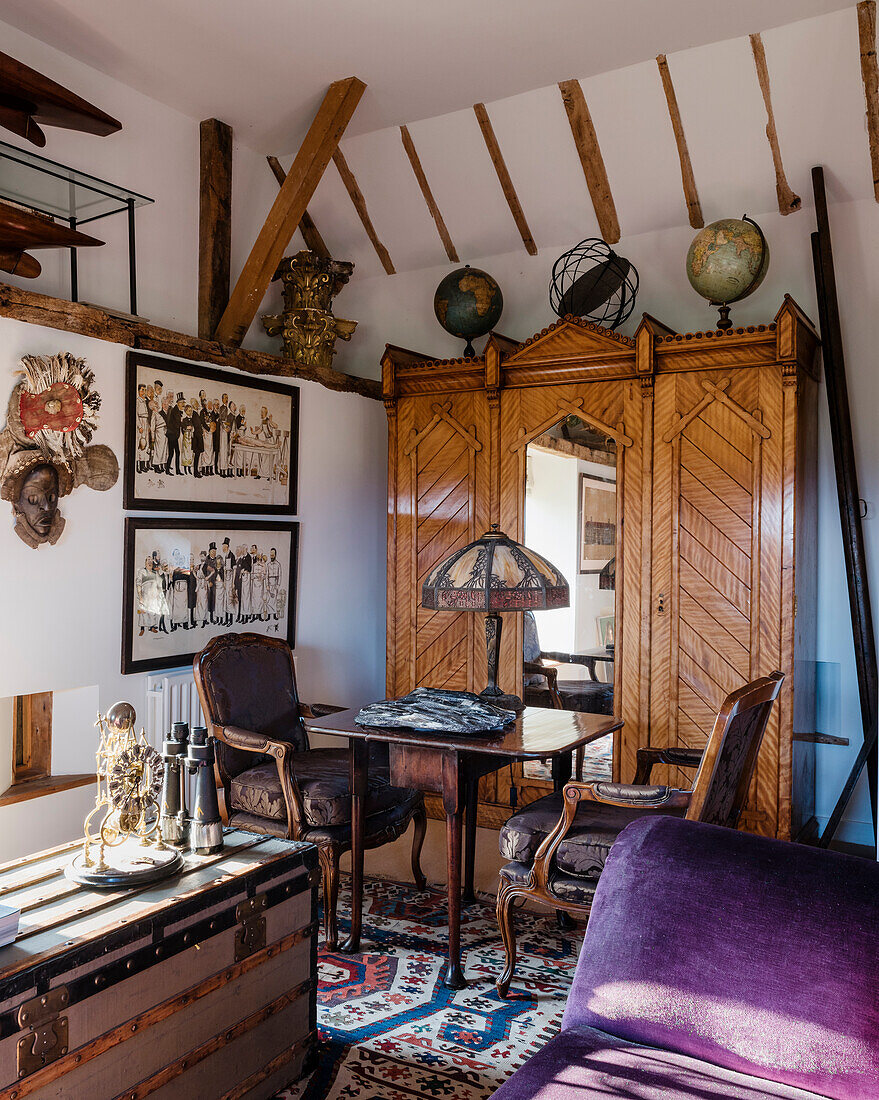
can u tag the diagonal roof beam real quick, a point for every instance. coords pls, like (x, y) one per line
(788, 199)
(691, 195)
(314, 155)
(313, 240)
(415, 161)
(870, 77)
(591, 159)
(356, 196)
(503, 175)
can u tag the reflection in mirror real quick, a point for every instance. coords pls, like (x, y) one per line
(571, 517)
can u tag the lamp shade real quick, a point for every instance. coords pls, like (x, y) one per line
(494, 573)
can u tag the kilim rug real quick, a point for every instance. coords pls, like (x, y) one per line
(389, 1028)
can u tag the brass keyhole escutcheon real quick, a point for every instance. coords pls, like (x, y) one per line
(661, 605)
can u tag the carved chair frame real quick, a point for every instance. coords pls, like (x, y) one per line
(758, 695)
(329, 851)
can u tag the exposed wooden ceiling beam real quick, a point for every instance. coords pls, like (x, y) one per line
(870, 76)
(591, 159)
(788, 199)
(314, 155)
(41, 309)
(214, 223)
(313, 239)
(414, 160)
(500, 167)
(691, 195)
(356, 196)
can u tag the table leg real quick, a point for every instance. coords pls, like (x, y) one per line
(453, 806)
(471, 799)
(359, 777)
(561, 771)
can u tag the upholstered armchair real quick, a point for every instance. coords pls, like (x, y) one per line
(558, 845)
(273, 781)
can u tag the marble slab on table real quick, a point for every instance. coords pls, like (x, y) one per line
(438, 711)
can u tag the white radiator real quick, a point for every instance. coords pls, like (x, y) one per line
(171, 697)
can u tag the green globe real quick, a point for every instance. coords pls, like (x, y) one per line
(727, 260)
(468, 303)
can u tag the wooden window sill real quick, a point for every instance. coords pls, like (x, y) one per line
(47, 784)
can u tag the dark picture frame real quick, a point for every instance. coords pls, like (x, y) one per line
(596, 522)
(255, 462)
(137, 622)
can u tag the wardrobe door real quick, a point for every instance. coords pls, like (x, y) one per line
(620, 411)
(439, 503)
(716, 553)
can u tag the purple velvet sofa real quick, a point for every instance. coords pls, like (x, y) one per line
(719, 964)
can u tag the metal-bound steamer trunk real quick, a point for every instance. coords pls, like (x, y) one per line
(203, 985)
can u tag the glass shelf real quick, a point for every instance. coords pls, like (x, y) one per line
(63, 192)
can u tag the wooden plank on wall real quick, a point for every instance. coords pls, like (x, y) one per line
(41, 309)
(870, 76)
(586, 141)
(788, 200)
(313, 240)
(356, 196)
(214, 223)
(314, 154)
(32, 755)
(691, 195)
(503, 175)
(415, 161)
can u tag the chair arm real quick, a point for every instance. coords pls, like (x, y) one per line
(584, 659)
(282, 751)
(576, 792)
(550, 674)
(248, 741)
(534, 668)
(636, 796)
(318, 710)
(681, 758)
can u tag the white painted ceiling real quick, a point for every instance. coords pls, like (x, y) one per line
(263, 65)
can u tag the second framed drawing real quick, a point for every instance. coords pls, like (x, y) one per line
(202, 440)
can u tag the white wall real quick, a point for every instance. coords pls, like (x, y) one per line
(61, 606)
(551, 530)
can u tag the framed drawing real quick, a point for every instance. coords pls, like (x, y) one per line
(203, 440)
(597, 526)
(606, 625)
(186, 580)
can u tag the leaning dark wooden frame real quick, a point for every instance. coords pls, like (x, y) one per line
(329, 851)
(133, 524)
(538, 887)
(132, 502)
(849, 511)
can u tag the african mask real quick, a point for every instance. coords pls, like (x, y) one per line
(45, 451)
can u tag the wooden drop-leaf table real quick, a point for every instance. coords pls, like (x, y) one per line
(452, 765)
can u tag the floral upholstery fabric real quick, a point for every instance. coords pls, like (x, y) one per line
(323, 776)
(566, 887)
(585, 849)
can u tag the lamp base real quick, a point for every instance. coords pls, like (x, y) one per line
(498, 699)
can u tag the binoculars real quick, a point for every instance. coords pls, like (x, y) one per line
(201, 831)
